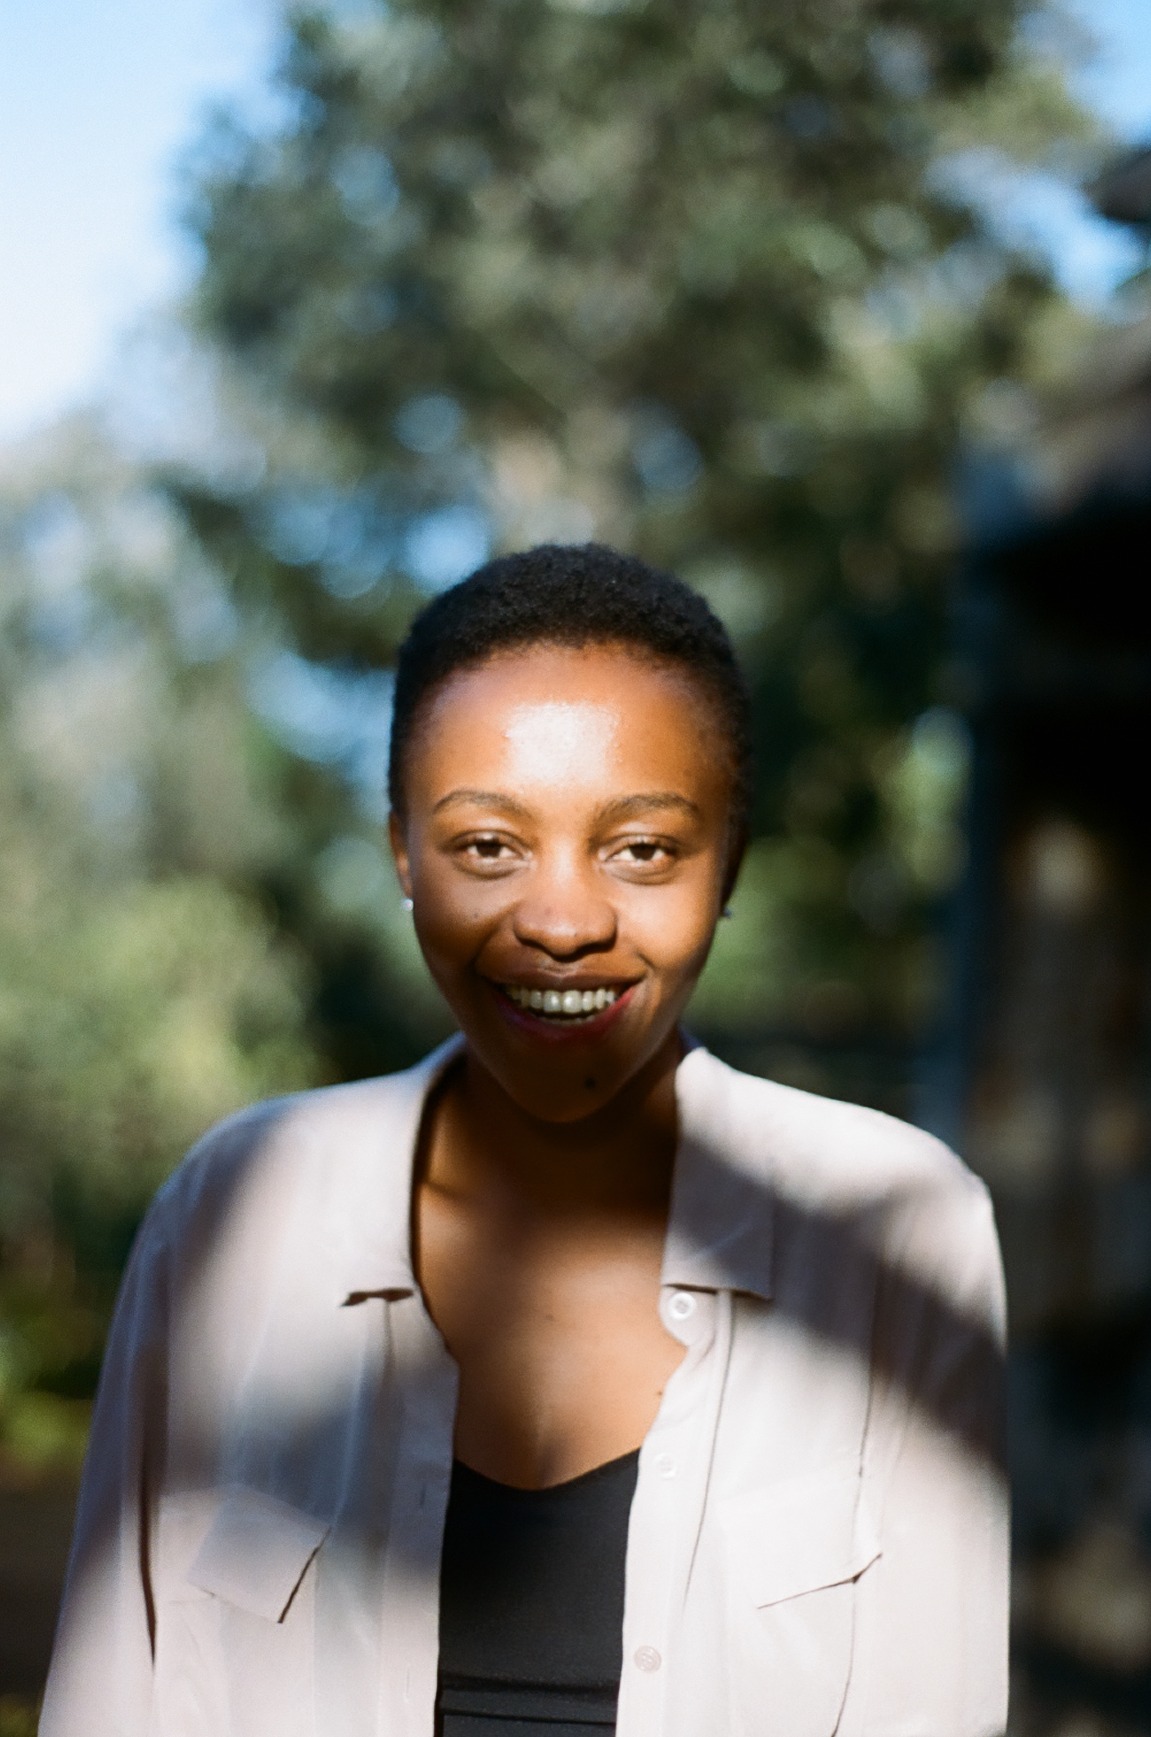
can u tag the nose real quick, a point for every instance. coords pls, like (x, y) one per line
(563, 911)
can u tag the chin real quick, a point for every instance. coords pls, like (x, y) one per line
(562, 1091)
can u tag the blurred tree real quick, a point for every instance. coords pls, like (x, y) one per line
(698, 277)
(142, 990)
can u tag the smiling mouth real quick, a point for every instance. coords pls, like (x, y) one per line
(561, 1006)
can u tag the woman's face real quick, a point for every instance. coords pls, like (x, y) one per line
(565, 844)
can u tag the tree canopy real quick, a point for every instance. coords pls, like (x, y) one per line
(143, 990)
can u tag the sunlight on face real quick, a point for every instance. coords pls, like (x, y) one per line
(561, 742)
(565, 830)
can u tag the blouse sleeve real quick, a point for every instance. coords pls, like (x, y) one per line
(99, 1682)
(933, 1611)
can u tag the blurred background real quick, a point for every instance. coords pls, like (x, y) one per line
(843, 310)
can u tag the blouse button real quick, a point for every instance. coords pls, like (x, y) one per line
(665, 1465)
(682, 1306)
(647, 1659)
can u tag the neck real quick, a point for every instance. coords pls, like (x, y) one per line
(619, 1159)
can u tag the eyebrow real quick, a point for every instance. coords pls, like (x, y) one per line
(483, 799)
(627, 806)
(622, 809)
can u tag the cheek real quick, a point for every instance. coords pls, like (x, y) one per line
(454, 916)
(673, 927)
(449, 926)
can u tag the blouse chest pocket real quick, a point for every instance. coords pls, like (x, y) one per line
(794, 1552)
(235, 1617)
(256, 1552)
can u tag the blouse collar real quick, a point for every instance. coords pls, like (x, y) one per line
(720, 1231)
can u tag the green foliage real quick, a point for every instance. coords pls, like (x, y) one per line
(694, 278)
(18, 1716)
(143, 990)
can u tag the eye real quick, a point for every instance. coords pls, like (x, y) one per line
(486, 848)
(646, 851)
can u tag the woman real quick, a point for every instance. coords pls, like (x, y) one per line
(570, 1380)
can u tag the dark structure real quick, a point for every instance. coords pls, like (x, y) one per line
(1044, 1075)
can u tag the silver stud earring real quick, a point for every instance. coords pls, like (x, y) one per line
(406, 903)
(726, 912)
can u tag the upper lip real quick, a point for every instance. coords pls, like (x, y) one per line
(581, 981)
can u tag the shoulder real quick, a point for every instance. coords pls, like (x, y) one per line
(295, 1154)
(279, 1133)
(834, 1153)
(885, 1183)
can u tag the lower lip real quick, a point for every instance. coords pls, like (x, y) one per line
(552, 1032)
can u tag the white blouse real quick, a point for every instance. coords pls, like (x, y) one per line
(818, 1541)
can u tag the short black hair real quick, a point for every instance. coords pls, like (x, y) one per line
(573, 595)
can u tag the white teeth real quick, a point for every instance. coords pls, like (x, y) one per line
(570, 1003)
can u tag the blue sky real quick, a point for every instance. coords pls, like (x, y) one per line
(1118, 82)
(99, 98)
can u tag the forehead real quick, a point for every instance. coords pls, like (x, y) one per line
(567, 716)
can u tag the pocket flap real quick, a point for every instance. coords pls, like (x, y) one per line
(799, 1535)
(257, 1552)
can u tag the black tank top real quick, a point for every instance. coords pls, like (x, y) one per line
(531, 1604)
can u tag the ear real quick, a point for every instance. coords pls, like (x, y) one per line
(397, 838)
